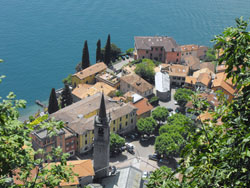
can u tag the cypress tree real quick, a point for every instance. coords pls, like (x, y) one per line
(53, 104)
(67, 98)
(85, 56)
(107, 55)
(98, 51)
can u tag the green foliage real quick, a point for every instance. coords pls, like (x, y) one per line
(219, 155)
(182, 96)
(17, 153)
(67, 98)
(39, 120)
(53, 104)
(145, 69)
(162, 178)
(160, 114)
(115, 51)
(31, 118)
(116, 142)
(129, 51)
(146, 125)
(68, 80)
(178, 123)
(154, 101)
(210, 55)
(85, 56)
(118, 93)
(169, 144)
(98, 51)
(107, 52)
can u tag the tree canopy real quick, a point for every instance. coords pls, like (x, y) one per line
(107, 52)
(145, 69)
(85, 56)
(146, 125)
(98, 51)
(182, 96)
(66, 98)
(17, 155)
(160, 114)
(53, 103)
(116, 142)
(218, 155)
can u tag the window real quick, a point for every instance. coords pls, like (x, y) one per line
(114, 122)
(126, 123)
(152, 49)
(120, 126)
(183, 78)
(177, 54)
(127, 116)
(72, 141)
(187, 53)
(92, 131)
(113, 129)
(161, 48)
(146, 51)
(178, 78)
(177, 60)
(86, 142)
(150, 54)
(128, 86)
(86, 82)
(142, 57)
(132, 120)
(172, 49)
(86, 135)
(156, 49)
(120, 119)
(182, 54)
(190, 52)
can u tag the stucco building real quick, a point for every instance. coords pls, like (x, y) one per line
(159, 48)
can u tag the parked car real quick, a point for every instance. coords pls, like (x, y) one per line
(127, 56)
(175, 102)
(123, 148)
(144, 137)
(164, 161)
(153, 157)
(123, 58)
(112, 170)
(129, 145)
(132, 136)
(170, 109)
(144, 175)
(131, 150)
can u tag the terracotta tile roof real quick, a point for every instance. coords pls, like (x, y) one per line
(221, 68)
(204, 78)
(84, 90)
(96, 68)
(178, 70)
(208, 65)
(147, 42)
(220, 81)
(190, 80)
(81, 108)
(192, 62)
(121, 111)
(137, 82)
(196, 74)
(143, 106)
(83, 168)
(189, 47)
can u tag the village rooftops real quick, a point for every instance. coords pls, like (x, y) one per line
(146, 42)
(92, 70)
(204, 78)
(85, 90)
(189, 47)
(43, 133)
(178, 70)
(196, 74)
(142, 106)
(190, 80)
(192, 62)
(137, 82)
(221, 81)
(82, 108)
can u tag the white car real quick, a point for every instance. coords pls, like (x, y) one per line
(129, 145)
(175, 102)
(144, 175)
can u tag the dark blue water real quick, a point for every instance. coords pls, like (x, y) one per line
(41, 41)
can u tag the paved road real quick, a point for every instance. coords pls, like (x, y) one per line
(119, 65)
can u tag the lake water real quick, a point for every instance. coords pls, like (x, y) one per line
(41, 41)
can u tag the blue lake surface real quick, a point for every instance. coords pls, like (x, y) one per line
(41, 41)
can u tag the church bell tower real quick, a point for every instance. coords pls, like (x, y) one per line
(101, 142)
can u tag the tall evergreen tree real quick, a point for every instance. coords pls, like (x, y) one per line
(107, 55)
(53, 104)
(98, 51)
(67, 98)
(85, 56)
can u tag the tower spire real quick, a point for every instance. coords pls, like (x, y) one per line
(102, 111)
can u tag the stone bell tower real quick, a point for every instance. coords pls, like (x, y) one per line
(101, 142)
